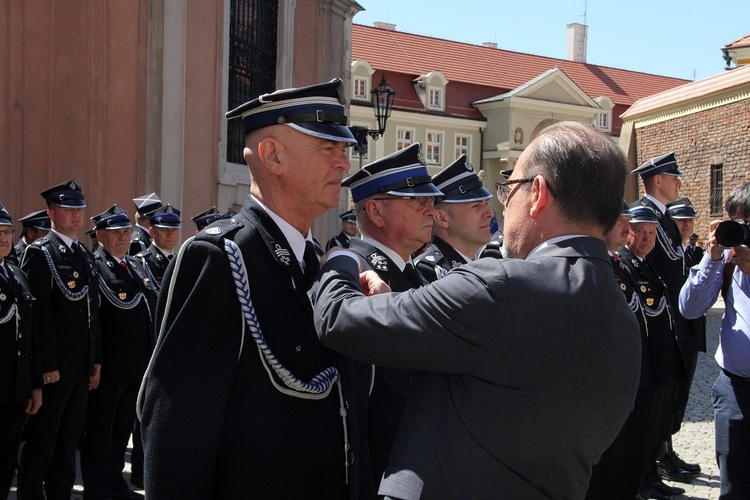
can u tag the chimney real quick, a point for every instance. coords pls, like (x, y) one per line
(491, 45)
(576, 48)
(384, 26)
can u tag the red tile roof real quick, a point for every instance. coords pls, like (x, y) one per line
(692, 90)
(502, 70)
(742, 41)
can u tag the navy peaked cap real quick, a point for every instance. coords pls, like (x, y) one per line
(112, 218)
(403, 173)
(5, 219)
(147, 203)
(348, 216)
(316, 110)
(166, 216)
(664, 164)
(459, 183)
(642, 213)
(68, 194)
(682, 209)
(625, 209)
(206, 217)
(37, 220)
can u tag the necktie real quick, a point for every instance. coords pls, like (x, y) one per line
(124, 265)
(312, 264)
(170, 256)
(412, 276)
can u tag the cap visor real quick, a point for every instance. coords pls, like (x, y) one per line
(477, 194)
(428, 189)
(328, 131)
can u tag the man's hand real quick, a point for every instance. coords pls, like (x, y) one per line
(742, 259)
(714, 249)
(51, 377)
(372, 284)
(96, 377)
(33, 404)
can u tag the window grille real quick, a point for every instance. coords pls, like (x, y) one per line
(717, 189)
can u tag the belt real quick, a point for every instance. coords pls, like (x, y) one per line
(735, 377)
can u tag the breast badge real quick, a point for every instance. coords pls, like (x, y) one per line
(650, 302)
(71, 284)
(122, 295)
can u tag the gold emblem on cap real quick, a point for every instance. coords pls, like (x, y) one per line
(122, 295)
(71, 284)
(649, 301)
(643, 288)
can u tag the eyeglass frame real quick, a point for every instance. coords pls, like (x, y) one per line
(520, 182)
(10, 233)
(417, 205)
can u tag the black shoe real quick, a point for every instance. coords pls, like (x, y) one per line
(128, 495)
(650, 494)
(137, 481)
(669, 471)
(676, 460)
(667, 490)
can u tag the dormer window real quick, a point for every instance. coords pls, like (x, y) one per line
(604, 117)
(430, 89)
(361, 78)
(436, 98)
(361, 90)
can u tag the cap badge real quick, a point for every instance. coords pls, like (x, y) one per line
(420, 157)
(282, 254)
(469, 167)
(72, 185)
(213, 230)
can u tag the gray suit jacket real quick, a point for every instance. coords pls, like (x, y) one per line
(526, 370)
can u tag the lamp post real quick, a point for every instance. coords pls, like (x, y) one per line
(382, 102)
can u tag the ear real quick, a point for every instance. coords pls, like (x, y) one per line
(540, 196)
(270, 152)
(151, 231)
(375, 213)
(442, 218)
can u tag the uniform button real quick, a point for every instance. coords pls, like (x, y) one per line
(298, 348)
(20, 335)
(19, 353)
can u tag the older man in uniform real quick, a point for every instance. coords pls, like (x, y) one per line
(524, 368)
(349, 230)
(461, 221)
(20, 367)
(141, 238)
(127, 299)
(35, 226)
(165, 232)
(241, 399)
(64, 282)
(393, 198)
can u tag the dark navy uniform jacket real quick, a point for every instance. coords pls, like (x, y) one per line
(217, 421)
(341, 240)
(437, 260)
(67, 318)
(20, 362)
(139, 240)
(155, 264)
(666, 361)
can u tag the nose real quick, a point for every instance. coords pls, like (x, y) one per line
(429, 210)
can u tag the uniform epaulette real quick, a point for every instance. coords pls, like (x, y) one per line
(217, 231)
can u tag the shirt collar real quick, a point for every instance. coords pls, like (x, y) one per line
(65, 239)
(661, 206)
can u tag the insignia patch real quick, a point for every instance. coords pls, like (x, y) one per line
(110, 265)
(643, 289)
(2, 297)
(71, 284)
(62, 248)
(213, 230)
(282, 254)
(430, 258)
(455, 263)
(649, 301)
(379, 262)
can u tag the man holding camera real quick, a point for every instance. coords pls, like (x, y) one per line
(727, 260)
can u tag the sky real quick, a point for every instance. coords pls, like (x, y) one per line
(677, 38)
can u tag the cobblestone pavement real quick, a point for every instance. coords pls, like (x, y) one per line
(694, 442)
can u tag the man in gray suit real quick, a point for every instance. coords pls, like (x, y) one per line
(525, 368)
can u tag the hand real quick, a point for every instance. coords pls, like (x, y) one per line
(714, 249)
(742, 259)
(94, 379)
(372, 284)
(33, 404)
(51, 377)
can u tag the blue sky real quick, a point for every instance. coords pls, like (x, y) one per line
(675, 38)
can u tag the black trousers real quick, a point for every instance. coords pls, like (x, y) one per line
(690, 360)
(109, 423)
(47, 457)
(12, 416)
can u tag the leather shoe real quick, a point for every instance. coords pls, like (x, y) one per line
(667, 490)
(677, 461)
(128, 495)
(650, 494)
(669, 471)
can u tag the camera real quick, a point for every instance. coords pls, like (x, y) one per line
(731, 233)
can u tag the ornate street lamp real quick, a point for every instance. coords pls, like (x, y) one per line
(382, 103)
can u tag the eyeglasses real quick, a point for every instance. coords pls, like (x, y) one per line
(418, 202)
(7, 233)
(504, 188)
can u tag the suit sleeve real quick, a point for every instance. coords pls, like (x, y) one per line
(446, 326)
(40, 281)
(199, 324)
